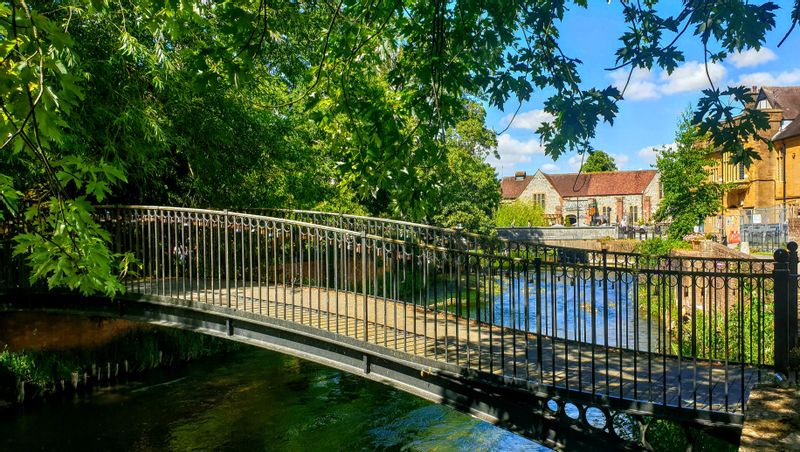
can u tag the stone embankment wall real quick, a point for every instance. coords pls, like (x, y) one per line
(540, 235)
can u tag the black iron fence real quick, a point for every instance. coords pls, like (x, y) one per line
(682, 332)
(642, 232)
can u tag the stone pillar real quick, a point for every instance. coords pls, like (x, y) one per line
(646, 209)
(560, 210)
(620, 209)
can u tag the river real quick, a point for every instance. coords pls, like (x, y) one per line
(251, 399)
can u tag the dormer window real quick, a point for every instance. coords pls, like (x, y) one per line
(520, 175)
(763, 104)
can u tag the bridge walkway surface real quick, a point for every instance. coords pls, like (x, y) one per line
(503, 351)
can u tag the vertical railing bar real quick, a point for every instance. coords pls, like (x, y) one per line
(364, 288)
(301, 264)
(227, 263)
(679, 303)
(336, 275)
(694, 286)
(291, 271)
(604, 255)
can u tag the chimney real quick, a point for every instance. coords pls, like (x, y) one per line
(754, 89)
(520, 175)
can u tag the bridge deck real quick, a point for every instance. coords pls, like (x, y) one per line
(580, 366)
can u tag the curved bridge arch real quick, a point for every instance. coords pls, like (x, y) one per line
(513, 333)
(510, 405)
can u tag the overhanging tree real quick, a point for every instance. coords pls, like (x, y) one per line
(366, 89)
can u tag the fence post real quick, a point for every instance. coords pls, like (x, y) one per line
(227, 265)
(364, 281)
(780, 275)
(537, 264)
(792, 300)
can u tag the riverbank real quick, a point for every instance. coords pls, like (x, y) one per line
(773, 419)
(44, 356)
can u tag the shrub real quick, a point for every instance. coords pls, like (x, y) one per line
(519, 214)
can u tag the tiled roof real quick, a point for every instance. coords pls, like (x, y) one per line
(786, 98)
(601, 184)
(792, 130)
(512, 188)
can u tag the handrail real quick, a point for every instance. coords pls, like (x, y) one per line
(229, 213)
(511, 242)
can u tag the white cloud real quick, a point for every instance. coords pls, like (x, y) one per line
(528, 120)
(646, 84)
(621, 160)
(767, 79)
(513, 151)
(576, 161)
(549, 167)
(640, 87)
(510, 146)
(752, 57)
(691, 76)
(647, 155)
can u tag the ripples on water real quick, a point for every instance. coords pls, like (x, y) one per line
(252, 400)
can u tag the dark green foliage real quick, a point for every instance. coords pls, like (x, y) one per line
(468, 191)
(668, 436)
(660, 247)
(291, 104)
(598, 161)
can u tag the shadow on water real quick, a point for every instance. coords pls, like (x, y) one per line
(249, 400)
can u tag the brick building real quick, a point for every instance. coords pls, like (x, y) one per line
(758, 194)
(617, 197)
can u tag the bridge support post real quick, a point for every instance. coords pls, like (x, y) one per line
(792, 292)
(781, 306)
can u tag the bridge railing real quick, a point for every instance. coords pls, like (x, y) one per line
(391, 229)
(681, 332)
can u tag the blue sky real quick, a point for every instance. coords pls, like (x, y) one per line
(653, 101)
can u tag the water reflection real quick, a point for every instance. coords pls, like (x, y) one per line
(252, 400)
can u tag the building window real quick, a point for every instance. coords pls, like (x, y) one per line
(606, 212)
(538, 199)
(633, 214)
(763, 104)
(733, 172)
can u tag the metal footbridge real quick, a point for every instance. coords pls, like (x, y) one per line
(569, 347)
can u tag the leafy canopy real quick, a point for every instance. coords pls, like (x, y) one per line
(258, 103)
(598, 161)
(520, 214)
(689, 195)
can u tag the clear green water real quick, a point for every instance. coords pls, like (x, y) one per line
(251, 400)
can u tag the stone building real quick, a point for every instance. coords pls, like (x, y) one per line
(761, 193)
(611, 198)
